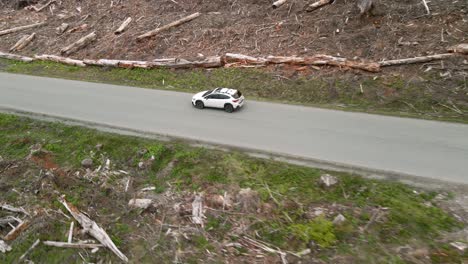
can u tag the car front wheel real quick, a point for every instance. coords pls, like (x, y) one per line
(229, 108)
(199, 105)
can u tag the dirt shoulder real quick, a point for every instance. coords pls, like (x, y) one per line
(249, 205)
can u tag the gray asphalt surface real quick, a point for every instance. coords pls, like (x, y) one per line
(436, 150)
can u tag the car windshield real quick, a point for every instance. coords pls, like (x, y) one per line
(207, 93)
(237, 95)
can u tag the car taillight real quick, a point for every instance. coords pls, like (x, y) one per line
(235, 100)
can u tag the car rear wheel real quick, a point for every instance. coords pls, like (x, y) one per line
(229, 108)
(199, 105)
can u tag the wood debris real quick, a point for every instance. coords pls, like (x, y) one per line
(72, 245)
(264, 246)
(92, 229)
(16, 29)
(62, 28)
(278, 3)
(84, 41)
(417, 59)
(197, 210)
(4, 247)
(123, 26)
(29, 250)
(60, 59)
(16, 231)
(39, 9)
(168, 26)
(23, 42)
(317, 5)
(460, 48)
(13, 209)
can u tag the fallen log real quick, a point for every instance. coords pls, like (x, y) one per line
(16, 29)
(325, 60)
(15, 57)
(23, 42)
(460, 48)
(317, 4)
(278, 3)
(16, 231)
(417, 59)
(168, 26)
(93, 229)
(4, 247)
(59, 59)
(81, 43)
(210, 62)
(123, 26)
(244, 59)
(71, 245)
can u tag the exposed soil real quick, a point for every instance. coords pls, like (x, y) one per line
(246, 26)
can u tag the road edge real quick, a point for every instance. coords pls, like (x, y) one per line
(371, 173)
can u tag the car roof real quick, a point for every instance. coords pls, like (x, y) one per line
(225, 91)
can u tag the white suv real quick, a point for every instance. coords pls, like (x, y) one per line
(227, 99)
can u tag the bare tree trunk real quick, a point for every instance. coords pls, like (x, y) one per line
(123, 26)
(59, 59)
(16, 29)
(317, 4)
(23, 42)
(93, 229)
(168, 26)
(15, 57)
(417, 59)
(84, 41)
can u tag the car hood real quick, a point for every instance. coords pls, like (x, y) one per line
(199, 95)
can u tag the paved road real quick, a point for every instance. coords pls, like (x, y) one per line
(421, 148)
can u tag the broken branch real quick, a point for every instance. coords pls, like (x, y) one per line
(71, 245)
(16, 231)
(123, 26)
(168, 26)
(29, 250)
(16, 29)
(417, 59)
(317, 4)
(92, 228)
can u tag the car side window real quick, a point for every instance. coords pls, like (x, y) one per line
(213, 96)
(223, 96)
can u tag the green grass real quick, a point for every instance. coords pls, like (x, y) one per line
(428, 96)
(295, 190)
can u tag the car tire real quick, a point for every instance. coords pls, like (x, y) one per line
(199, 105)
(228, 108)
